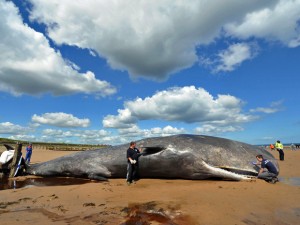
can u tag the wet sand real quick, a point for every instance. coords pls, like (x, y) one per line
(156, 201)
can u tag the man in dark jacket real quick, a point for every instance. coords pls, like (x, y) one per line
(133, 155)
(268, 170)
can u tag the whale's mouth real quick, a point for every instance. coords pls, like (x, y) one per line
(229, 173)
(239, 171)
(152, 150)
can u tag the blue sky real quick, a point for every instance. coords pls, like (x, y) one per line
(108, 72)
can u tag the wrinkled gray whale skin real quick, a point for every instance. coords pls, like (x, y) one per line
(184, 156)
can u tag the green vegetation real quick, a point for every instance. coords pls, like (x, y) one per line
(53, 146)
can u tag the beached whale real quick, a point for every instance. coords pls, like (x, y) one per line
(183, 156)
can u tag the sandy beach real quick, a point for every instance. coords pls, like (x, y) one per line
(155, 201)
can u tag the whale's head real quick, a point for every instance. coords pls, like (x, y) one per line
(200, 157)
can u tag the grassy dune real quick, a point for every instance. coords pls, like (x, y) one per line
(50, 146)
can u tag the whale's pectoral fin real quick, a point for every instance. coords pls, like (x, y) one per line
(97, 177)
(152, 150)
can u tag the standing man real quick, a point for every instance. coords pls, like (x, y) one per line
(268, 171)
(133, 155)
(279, 148)
(28, 153)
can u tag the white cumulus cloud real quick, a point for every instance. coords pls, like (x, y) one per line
(278, 21)
(186, 104)
(273, 108)
(154, 39)
(210, 129)
(10, 128)
(232, 57)
(60, 119)
(29, 65)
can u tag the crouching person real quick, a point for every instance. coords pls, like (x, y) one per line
(268, 170)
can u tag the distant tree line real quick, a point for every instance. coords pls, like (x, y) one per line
(53, 146)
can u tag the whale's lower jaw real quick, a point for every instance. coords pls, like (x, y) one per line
(226, 174)
(205, 171)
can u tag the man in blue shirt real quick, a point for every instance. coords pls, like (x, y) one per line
(28, 153)
(268, 170)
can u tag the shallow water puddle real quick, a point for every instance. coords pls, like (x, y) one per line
(6, 183)
(293, 181)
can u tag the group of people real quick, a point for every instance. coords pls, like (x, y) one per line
(268, 170)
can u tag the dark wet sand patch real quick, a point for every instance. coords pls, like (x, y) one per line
(6, 183)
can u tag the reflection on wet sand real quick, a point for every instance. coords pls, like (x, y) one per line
(293, 181)
(142, 214)
(6, 183)
(153, 213)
